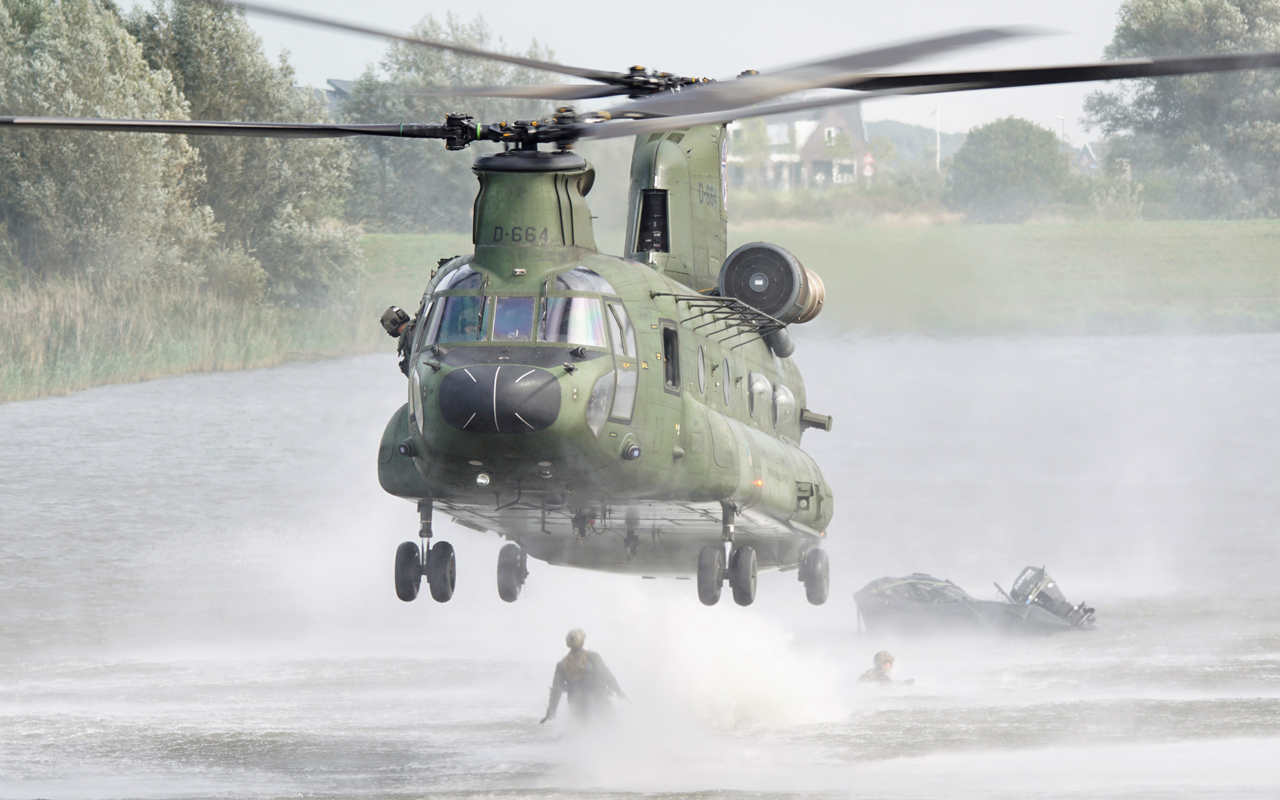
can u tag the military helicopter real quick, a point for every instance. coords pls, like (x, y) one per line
(639, 413)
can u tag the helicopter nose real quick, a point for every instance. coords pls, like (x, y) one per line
(499, 399)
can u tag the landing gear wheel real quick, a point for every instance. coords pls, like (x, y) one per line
(511, 572)
(408, 571)
(742, 575)
(710, 574)
(442, 571)
(817, 576)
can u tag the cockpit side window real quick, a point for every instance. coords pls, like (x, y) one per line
(423, 324)
(572, 320)
(624, 333)
(459, 319)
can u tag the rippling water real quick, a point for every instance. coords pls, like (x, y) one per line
(197, 596)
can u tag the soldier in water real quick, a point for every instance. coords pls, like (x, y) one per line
(583, 676)
(880, 672)
(398, 325)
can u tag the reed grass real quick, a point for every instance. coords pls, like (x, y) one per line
(62, 335)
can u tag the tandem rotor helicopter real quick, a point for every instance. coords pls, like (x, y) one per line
(640, 413)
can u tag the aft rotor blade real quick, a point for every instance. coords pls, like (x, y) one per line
(832, 71)
(269, 130)
(533, 92)
(1075, 73)
(938, 82)
(351, 27)
(611, 129)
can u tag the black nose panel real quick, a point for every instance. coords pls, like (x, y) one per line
(487, 398)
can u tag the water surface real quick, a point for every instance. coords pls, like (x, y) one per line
(197, 596)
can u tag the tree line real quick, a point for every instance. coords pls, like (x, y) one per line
(276, 221)
(270, 220)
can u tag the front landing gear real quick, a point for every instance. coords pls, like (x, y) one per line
(740, 573)
(408, 571)
(512, 570)
(438, 563)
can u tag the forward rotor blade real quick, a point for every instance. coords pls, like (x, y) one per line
(269, 130)
(828, 72)
(1076, 73)
(351, 27)
(534, 92)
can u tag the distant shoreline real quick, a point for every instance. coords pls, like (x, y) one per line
(1199, 277)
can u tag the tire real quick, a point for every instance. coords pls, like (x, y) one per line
(710, 574)
(817, 576)
(442, 571)
(742, 575)
(511, 572)
(408, 571)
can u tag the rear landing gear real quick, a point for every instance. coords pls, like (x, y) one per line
(438, 563)
(711, 574)
(512, 570)
(815, 571)
(742, 575)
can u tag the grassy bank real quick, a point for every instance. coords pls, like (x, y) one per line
(61, 336)
(1144, 277)
(945, 279)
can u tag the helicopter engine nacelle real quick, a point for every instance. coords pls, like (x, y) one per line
(768, 278)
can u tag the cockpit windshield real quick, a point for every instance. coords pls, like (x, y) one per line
(513, 319)
(459, 319)
(463, 277)
(573, 320)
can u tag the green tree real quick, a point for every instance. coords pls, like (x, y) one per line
(1005, 171)
(408, 185)
(1215, 139)
(277, 200)
(112, 204)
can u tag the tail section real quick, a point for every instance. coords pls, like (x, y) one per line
(677, 213)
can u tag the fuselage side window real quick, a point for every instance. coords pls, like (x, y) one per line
(671, 357)
(759, 392)
(726, 383)
(784, 405)
(573, 320)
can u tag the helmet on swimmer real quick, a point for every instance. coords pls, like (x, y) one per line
(575, 639)
(883, 657)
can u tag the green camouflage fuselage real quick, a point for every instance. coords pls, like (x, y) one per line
(540, 366)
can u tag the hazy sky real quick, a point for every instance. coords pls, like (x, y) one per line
(718, 39)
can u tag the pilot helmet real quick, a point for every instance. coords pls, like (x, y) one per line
(392, 319)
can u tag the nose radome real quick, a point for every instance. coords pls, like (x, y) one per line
(499, 399)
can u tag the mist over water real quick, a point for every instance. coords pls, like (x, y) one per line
(197, 596)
